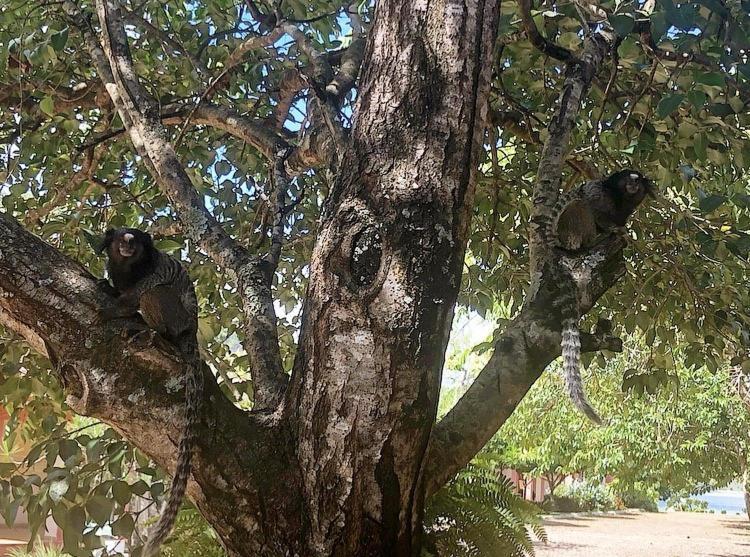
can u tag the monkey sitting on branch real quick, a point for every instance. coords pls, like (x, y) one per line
(155, 284)
(580, 219)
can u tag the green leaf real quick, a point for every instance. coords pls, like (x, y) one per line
(123, 526)
(622, 24)
(699, 146)
(714, 79)
(59, 40)
(697, 98)
(720, 109)
(668, 105)
(100, 508)
(170, 246)
(121, 492)
(69, 448)
(222, 168)
(47, 105)
(711, 202)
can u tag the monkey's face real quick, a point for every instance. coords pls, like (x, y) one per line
(126, 244)
(633, 186)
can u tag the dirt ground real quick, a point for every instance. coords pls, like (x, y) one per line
(647, 535)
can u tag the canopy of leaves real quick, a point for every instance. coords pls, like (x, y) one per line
(688, 436)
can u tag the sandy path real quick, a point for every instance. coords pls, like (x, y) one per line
(648, 535)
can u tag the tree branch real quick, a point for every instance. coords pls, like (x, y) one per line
(543, 44)
(351, 59)
(528, 345)
(52, 301)
(578, 78)
(532, 340)
(140, 114)
(315, 149)
(280, 209)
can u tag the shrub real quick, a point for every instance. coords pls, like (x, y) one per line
(687, 504)
(639, 500)
(192, 536)
(38, 551)
(583, 496)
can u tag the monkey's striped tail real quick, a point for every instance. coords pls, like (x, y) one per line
(193, 397)
(571, 352)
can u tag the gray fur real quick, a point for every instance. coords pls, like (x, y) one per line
(579, 219)
(159, 287)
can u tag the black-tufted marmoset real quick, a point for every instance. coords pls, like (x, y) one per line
(579, 220)
(155, 284)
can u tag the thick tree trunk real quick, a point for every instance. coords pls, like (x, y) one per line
(338, 470)
(746, 487)
(385, 274)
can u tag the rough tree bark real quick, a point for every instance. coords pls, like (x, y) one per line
(338, 462)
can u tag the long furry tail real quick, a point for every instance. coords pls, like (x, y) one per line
(193, 397)
(571, 351)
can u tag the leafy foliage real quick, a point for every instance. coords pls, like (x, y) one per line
(39, 551)
(685, 439)
(192, 536)
(584, 496)
(478, 513)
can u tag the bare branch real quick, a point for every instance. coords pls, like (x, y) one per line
(315, 150)
(351, 59)
(543, 44)
(289, 86)
(280, 209)
(578, 78)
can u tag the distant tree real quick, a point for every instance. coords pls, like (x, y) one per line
(688, 435)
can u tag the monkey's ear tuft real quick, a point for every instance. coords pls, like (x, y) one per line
(146, 239)
(107, 240)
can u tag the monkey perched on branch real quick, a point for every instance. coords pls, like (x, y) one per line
(580, 219)
(155, 284)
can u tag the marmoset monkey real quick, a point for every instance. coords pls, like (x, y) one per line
(580, 218)
(157, 285)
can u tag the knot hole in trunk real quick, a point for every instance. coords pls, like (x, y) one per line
(365, 257)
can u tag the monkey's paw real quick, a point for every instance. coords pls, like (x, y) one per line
(107, 288)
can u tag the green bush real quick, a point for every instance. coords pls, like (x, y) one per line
(687, 504)
(561, 504)
(192, 537)
(38, 551)
(582, 496)
(639, 500)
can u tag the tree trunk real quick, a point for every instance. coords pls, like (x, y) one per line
(746, 487)
(338, 469)
(385, 275)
